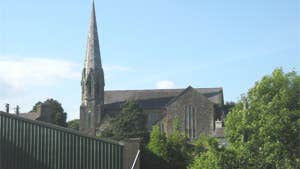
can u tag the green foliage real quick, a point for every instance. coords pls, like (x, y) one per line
(158, 142)
(34, 108)
(262, 129)
(206, 150)
(59, 117)
(129, 124)
(177, 146)
(204, 143)
(172, 149)
(74, 124)
(211, 156)
(264, 126)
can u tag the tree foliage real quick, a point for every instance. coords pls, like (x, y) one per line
(158, 142)
(177, 147)
(210, 155)
(129, 124)
(34, 108)
(262, 129)
(74, 124)
(173, 149)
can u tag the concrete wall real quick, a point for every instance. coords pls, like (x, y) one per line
(130, 150)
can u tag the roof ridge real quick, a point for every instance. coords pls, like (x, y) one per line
(179, 95)
(161, 89)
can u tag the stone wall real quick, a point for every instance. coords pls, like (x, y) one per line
(46, 113)
(204, 113)
(153, 116)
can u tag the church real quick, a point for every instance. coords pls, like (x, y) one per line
(197, 109)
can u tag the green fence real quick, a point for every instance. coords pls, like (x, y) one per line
(27, 144)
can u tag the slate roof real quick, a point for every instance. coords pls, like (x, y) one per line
(156, 98)
(31, 116)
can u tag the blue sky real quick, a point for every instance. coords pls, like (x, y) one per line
(144, 45)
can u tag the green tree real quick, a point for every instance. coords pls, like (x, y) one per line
(177, 147)
(74, 124)
(59, 117)
(158, 142)
(129, 124)
(206, 157)
(262, 129)
(228, 107)
(211, 156)
(34, 108)
(173, 149)
(264, 126)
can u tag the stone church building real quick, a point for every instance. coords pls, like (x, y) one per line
(196, 108)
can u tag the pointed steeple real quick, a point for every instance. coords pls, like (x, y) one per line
(92, 82)
(92, 56)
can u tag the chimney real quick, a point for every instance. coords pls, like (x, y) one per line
(7, 108)
(17, 110)
(40, 109)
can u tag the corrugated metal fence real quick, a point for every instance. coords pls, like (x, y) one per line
(27, 144)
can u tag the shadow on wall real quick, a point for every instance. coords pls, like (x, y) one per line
(12, 157)
(150, 161)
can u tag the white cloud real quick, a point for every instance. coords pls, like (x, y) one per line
(23, 80)
(19, 73)
(165, 84)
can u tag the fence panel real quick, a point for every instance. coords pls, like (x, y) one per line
(28, 144)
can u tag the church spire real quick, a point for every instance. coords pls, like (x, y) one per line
(92, 82)
(92, 56)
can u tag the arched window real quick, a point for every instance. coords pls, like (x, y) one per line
(89, 119)
(97, 89)
(190, 121)
(89, 88)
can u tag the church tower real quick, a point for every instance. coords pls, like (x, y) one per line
(92, 82)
